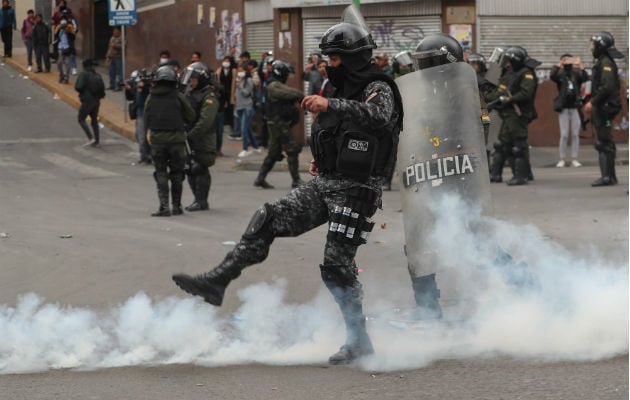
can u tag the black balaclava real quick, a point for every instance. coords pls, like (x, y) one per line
(355, 73)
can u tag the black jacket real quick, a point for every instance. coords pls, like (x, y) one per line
(41, 34)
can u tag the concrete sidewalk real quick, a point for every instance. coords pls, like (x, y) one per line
(113, 115)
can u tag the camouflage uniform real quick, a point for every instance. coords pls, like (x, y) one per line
(513, 134)
(202, 140)
(281, 116)
(330, 197)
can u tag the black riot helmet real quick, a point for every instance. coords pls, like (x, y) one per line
(350, 36)
(604, 43)
(437, 49)
(479, 60)
(280, 70)
(517, 57)
(199, 71)
(165, 74)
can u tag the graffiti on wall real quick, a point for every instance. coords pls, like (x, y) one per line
(229, 34)
(388, 33)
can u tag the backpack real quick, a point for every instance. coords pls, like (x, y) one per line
(95, 85)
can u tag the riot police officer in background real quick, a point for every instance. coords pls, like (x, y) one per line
(604, 103)
(281, 115)
(165, 113)
(354, 144)
(201, 136)
(478, 63)
(515, 99)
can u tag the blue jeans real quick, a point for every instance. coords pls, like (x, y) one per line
(244, 117)
(219, 122)
(236, 128)
(115, 68)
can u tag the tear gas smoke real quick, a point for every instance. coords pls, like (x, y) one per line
(544, 304)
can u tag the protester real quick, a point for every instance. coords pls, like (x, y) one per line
(7, 26)
(245, 109)
(41, 35)
(64, 37)
(114, 60)
(91, 90)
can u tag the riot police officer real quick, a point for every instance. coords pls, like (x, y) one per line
(281, 115)
(478, 63)
(354, 145)
(165, 113)
(201, 136)
(604, 103)
(515, 98)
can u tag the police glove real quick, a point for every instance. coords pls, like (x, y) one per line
(505, 100)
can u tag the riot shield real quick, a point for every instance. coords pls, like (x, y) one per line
(441, 151)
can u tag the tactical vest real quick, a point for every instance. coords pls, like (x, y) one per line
(342, 146)
(165, 112)
(196, 99)
(280, 109)
(527, 108)
(597, 75)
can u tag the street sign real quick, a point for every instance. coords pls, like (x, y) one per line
(122, 12)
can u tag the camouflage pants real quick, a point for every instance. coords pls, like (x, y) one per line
(301, 210)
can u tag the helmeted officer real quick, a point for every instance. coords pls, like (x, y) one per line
(515, 97)
(201, 136)
(355, 135)
(478, 63)
(604, 103)
(165, 113)
(281, 114)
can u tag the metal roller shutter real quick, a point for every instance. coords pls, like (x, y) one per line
(391, 34)
(547, 38)
(259, 38)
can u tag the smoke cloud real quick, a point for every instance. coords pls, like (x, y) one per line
(542, 303)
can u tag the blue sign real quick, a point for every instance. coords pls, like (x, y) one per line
(122, 12)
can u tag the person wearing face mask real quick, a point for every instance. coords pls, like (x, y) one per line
(245, 92)
(227, 77)
(354, 145)
(281, 116)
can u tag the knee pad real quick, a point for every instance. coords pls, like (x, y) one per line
(498, 145)
(176, 176)
(338, 275)
(260, 224)
(197, 169)
(517, 151)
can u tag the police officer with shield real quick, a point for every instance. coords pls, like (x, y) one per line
(165, 113)
(281, 115)
(201, 136)
(604, 104)
(354, 145)
(515, 99)
(438, 155)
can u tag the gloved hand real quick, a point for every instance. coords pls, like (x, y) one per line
(505, 100)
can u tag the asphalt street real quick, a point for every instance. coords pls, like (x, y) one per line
(75, 230)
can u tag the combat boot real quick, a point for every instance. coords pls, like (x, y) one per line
(604, 166)
(211, 285)
(176, 197)
(496, 167)
(163, 211)
(348, 294)
(293, 164)
(427, 297)
(260, 179)
(520, 172)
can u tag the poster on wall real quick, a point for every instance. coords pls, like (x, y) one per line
(229, 34)
(463, 34)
